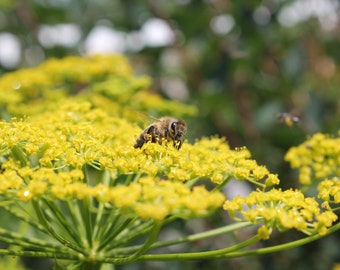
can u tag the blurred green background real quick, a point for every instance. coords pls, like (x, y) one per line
(240, 62)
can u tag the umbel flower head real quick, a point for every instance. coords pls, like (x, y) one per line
(282, 210)
(68, 168)
(317, 160)
(46, 154)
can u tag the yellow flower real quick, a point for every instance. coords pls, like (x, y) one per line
(241, 173)
(282, 209)
(10, 180)
(272, 179)
(259, 172)
(316, 159)
(324, 220)
(150, 210)
(125, 196)
(329, 190)
(217, 178)
(37, 187)
(264, 232)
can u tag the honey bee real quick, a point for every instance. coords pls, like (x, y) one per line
(166, 128)
(288, 119)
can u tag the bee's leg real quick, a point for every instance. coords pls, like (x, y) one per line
(147, 137)
(166, 137)
(155, 136)
(178, 144)
(152, 134)
(166, 134)
(144, 137)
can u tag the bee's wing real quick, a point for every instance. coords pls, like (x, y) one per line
(138, 116)
(148, 115)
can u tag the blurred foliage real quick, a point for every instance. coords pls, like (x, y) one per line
(239, 77)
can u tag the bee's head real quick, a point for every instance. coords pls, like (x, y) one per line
(178, 129)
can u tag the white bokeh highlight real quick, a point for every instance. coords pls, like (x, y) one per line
(10, 50)
(65, 35)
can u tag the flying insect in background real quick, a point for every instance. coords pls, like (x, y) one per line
(288, 119)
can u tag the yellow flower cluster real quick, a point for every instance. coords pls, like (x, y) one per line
(329, 191)
(48, 152)
(105, 80)
(72, 74)
(282, 210)
(317, 158)
(150, 197)
(45, 155)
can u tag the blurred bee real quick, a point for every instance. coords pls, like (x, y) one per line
(288, 119)
(165, 128)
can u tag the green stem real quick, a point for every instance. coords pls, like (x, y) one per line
(221, 185)
(101, 219)
(86, 219)
(128, 179)
(133, 232)
(108, 232)
(204, 235)
(19, 155)
(256, 183)
(40, 254)
(29, 220)
(191, 182)
(282, 247)
(191, 238)
(60, 220)
(100, 222)
(127, 259)
(201, 254)
(28, 243)
(136, 177)
(116, 230)
(230, 253)
(43, 219)
(76, 220)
